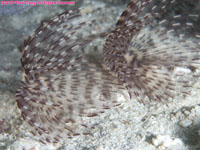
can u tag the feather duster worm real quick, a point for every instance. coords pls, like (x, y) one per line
(62, 85)
(147, 43)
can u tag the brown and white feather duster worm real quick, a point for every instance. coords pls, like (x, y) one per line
(147, 45)
(62, 85)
